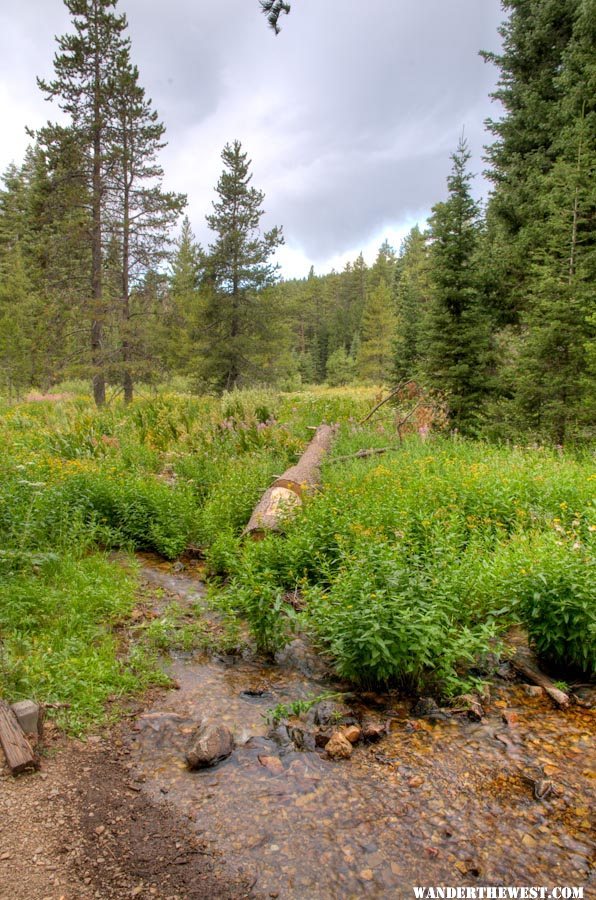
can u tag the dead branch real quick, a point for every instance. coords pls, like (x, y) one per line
(401, 386)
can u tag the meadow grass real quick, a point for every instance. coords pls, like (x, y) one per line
(411, 565)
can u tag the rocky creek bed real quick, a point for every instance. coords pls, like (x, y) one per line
(439, 799)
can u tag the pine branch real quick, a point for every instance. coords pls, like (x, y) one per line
(273, 10)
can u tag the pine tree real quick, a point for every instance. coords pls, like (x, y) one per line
(140, 213)
(411, 290)
(555, 387)
(238, 269)
(17, 307)
(273, 9)
(377, 334)
(535, 38)
(341, 368)
(456, 333)
(83, 87)
(383, 268)
(182, 322)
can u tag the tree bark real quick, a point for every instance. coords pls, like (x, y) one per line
(285, 494)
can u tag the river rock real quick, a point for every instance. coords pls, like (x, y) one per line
(302, 738)
(300, 656)
(353, 733)
(209, 745)
(472, 706)
(373, 729)
(338, 746)
(272, 763)
(329, 712)
(533, 690)
(426, 706)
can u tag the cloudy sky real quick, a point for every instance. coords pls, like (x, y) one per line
(349, 115)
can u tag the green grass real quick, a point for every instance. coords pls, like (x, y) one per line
(411, 565)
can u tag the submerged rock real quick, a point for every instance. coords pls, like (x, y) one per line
(209, 745)
(298, 655)
(338, 746)
(426, 706)
(373, 729)
(272, 763)
(329, 712)
(472, 706)
(532, 690)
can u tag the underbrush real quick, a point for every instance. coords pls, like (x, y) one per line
(411, 570)
(407, 569)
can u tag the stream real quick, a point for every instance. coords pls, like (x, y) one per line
(443, 802)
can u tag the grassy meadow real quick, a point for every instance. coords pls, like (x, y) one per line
(410, 567)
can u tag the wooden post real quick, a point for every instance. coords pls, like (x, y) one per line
(17, 748)
(286, 492)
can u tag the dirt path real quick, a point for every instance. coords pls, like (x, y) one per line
(81, 829)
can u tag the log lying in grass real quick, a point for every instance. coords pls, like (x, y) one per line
(525, 665)
(286, 492)
(17, 748)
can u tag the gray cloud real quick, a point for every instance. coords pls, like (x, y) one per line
(349, 115)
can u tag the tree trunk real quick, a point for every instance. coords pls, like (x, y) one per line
(99, 386)
(127, 382)
(286, 492)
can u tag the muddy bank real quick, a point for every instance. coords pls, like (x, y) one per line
(81, 829)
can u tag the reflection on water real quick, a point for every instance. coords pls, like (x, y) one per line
(444, 804)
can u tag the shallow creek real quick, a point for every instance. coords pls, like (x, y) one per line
(450, 803)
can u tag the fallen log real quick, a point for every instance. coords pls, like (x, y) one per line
(17, 748)
(286, 492)
(525, 665)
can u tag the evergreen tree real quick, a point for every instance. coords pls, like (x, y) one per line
(375, 356)
(182, 322)
(383, 268)
(411, 291)
(84, 88)
(456, 332)
(341, 368)
(273, 9)
(16, 322)
(140, 212)
(238, 268)
(555, 388)
(535, 37)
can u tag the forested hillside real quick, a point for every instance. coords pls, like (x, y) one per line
(490, 306)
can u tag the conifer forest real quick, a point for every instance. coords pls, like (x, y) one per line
(297, 573)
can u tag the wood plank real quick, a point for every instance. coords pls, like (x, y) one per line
(17, 748)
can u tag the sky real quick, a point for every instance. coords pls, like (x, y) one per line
(349, 115)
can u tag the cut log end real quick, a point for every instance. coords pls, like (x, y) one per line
(284, 497)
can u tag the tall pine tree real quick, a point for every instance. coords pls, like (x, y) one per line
(456, 332)
(238, 268)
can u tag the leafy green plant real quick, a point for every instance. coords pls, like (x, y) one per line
(296, 708)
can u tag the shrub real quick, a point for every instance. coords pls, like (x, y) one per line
(383, 623)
